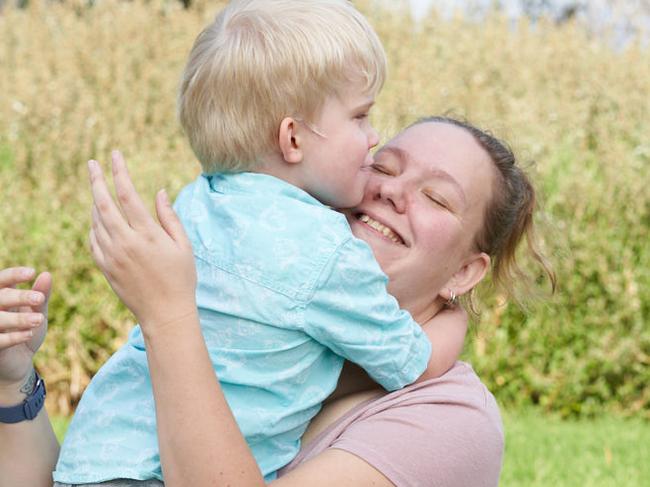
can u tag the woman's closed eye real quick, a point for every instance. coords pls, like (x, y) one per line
(382, 169)
(438, 200)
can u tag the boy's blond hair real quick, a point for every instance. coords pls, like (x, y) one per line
(263, 60)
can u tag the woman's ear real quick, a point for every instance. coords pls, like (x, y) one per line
(289, 140)
(469, 275)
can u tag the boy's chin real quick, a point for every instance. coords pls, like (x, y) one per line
(349, 214)
(346, 207)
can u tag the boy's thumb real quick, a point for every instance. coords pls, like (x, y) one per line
(168, 218)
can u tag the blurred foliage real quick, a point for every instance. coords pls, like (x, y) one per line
(78, 81)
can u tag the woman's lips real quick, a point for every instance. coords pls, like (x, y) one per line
(380, 228)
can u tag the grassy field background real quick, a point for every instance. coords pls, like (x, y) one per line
(544, 450)
(603, 452)
(572, 372)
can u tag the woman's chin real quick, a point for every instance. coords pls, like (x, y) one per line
(384, 248)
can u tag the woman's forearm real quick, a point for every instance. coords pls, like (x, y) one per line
(200, 442)
(29, 449)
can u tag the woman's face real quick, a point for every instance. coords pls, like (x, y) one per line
(422, 208)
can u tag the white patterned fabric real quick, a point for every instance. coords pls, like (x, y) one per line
(285, 294)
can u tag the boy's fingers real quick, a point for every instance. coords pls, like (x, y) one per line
(15, 275)
(108, 211)
(14, 338)
(168, 218)
(134, 209)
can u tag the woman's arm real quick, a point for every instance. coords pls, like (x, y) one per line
(200, 442)
(28, 449)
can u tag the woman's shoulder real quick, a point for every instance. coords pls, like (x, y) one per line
(457, 398)
(447, 428)
(460, 382)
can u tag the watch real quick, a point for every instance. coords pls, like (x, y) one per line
(29, 408)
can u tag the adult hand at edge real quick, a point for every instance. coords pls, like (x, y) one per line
(23, 322)
(150, 266)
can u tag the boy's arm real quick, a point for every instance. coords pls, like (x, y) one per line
(446, 332)
(351, 313)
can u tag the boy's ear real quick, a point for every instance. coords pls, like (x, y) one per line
(289, 140)
(468, 276)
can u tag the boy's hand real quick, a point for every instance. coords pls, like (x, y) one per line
(150, 266)
(23, 324)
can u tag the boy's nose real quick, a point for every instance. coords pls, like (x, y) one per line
(373, 137)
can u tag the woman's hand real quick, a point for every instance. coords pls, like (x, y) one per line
(23, 323)
(150, 266)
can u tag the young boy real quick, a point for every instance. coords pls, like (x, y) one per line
(275, 100)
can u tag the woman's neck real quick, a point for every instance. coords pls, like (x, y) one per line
(424, 311)
(422, 306)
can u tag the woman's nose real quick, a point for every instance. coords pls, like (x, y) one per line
(391, 191)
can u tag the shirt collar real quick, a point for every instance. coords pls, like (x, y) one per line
(258, 184)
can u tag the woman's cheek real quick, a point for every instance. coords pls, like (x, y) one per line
(439, 233)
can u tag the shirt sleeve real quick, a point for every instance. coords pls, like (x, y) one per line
(353, 315)
(447, 443)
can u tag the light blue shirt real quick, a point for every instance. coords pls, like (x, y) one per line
(285, 294)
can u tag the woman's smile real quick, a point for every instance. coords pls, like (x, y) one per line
(379, 228)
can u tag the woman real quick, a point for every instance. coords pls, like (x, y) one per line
(458, 203)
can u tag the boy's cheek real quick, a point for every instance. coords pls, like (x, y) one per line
(358, 193)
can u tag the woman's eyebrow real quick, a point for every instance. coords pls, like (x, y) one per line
(405, 158)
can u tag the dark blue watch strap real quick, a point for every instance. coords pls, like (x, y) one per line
(28, 409)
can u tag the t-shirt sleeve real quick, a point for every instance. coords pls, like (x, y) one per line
(448, 444)
(352, 313)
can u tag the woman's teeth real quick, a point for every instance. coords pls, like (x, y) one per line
(381, 228)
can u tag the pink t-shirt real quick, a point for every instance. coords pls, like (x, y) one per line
(442, 432)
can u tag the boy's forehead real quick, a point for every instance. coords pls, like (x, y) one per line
(357, 97)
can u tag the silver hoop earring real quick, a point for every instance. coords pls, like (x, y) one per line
(453, 299)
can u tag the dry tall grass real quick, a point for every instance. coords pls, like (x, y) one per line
(76, 82)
